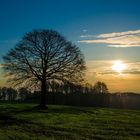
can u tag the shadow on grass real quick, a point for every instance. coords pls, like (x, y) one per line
(51, 109)
(7, 119)
(9, 122)
(69, 110)
(17, 119)
(8, 114)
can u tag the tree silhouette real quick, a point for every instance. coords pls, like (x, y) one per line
(23, 93)
(7, 93)
(11, 94)
(3, 93)
(42, 56)
(100, 87)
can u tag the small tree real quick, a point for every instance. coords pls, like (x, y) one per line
(11, 94)
(23, 93)
(100, 87)
(42, 56)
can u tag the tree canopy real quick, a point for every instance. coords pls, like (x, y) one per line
(100, 87)
(43, 56)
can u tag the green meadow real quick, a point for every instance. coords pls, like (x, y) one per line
(22, 122)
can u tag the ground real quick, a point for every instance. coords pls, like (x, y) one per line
(21, 122)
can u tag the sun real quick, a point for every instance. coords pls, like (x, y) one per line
(118, 66)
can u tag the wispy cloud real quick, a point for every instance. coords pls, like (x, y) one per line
(87, 36)
(105, 67)
(119, 39)
(84, 30)
(127, 80)
(117, 34)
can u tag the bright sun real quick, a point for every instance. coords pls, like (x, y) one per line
(118, 66)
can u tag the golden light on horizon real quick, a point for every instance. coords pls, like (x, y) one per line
(118, 66)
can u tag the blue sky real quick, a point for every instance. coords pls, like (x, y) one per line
(73, 19)
(69, 17)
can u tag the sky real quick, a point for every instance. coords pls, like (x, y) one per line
(106, 31)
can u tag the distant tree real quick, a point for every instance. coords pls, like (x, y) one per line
(4, 93)
(23, 93)
(42, 56)
(88, 88)
(100, 87)
(66, 88)
(11, 94)
(8, 94)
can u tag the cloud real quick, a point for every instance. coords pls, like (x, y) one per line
(128, 80)
(117, 34)
(120, 39)
(87, 36)
(101, 67)
(116, 73)
(84, 30)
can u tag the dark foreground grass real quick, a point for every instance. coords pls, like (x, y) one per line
(21, 122)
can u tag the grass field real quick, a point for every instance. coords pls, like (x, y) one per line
(21, 122)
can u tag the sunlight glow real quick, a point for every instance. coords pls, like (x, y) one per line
(118, 66)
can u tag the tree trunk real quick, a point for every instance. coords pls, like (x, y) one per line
(43, 95)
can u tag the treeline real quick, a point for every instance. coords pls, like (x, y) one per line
(77, 95)
(112, 100)
(10, 94)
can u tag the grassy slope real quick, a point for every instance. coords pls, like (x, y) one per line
(20, 122)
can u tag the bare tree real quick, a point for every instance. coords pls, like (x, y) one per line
(42, 56)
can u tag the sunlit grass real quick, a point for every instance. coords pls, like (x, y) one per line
(20, 121)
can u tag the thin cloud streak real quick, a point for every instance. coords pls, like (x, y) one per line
(117, 34)
(104, 67)
(120, 39)
(127, 80)
(87, 36)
